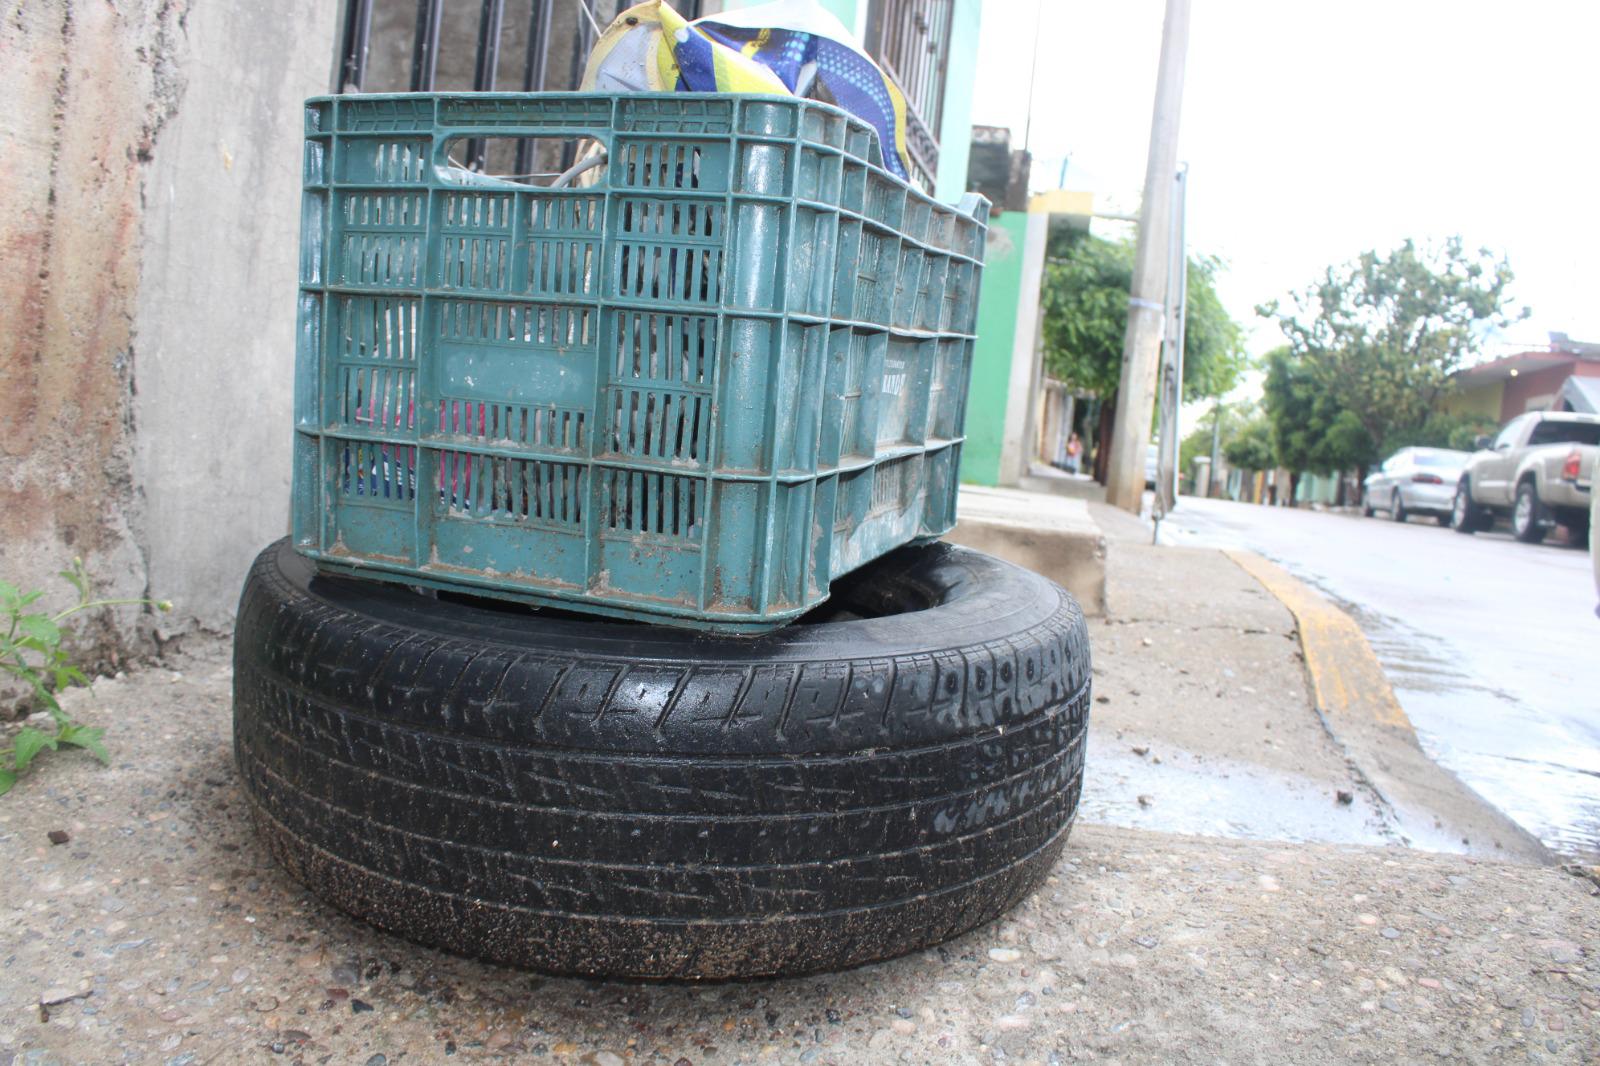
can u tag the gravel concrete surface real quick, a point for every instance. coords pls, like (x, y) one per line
(160, 932)
(1194, 651)
(1202, 718)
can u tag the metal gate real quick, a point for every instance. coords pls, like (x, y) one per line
(427, 45)
(531, 45)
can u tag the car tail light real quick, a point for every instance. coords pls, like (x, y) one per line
(1569, 469)
(1427, 479)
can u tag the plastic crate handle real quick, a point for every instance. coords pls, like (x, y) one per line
(445, 143)
(544, 119)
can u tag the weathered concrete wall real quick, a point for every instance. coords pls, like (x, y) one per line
(149, 153)
(86, 87)
(214, 373)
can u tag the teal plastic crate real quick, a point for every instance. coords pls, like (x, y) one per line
(727, 371)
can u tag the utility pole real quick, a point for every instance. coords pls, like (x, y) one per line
(1216, 449)
(1170, 398)
(1141, 346)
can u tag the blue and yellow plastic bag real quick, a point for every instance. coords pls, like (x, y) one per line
(789, 47)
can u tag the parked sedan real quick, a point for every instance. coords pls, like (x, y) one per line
(1414, 481)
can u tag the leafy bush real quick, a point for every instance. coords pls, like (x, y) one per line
(31, 652)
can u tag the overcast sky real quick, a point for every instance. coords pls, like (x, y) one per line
(1315, 131)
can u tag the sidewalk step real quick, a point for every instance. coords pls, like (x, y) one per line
(1052, 535)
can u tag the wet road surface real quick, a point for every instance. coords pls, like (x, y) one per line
(1493, 647)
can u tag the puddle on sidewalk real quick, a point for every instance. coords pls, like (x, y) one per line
(1210, 796)
(1169, 789)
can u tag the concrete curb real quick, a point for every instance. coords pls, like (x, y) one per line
(1358, 707)
(1049, 535)
(1346, 678)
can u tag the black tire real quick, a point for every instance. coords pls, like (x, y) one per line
(1466, 516)
(1527, 515)
(1397, 508)
(1442, 519)
(1366, 504)
(586, 797)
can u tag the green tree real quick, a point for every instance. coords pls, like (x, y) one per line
(1381, 335)
(1251, 448)
(1310, 430)
(1234, 417)
(1085, 296)
(1085, 303)
(1463, 437)
(1198, 441)
(1445, 430)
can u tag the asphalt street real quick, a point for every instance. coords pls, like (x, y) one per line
(1491, 645)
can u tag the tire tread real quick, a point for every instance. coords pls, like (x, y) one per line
(712, 808)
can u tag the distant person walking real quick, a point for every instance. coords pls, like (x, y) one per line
(1074, 453)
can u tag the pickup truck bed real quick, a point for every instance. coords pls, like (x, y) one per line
(1538, 472)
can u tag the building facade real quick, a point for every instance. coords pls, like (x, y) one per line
(1563, 376)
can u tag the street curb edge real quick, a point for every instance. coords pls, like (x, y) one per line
(1432, 808)
(1346, 677)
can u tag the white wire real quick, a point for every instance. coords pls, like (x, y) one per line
(590, 16)
(577, 168)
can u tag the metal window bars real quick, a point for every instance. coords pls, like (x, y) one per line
(432, 35)
(910, 39)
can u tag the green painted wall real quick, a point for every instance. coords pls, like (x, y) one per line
(991, 355)
(843, 10)
(1317, 488)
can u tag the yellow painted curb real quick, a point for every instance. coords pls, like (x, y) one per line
(1346, 679)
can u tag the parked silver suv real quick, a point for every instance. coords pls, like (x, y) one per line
(1539, 470)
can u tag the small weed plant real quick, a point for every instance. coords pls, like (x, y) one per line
(31, 652)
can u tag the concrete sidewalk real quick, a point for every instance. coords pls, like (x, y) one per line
(1238, 912)
(1202, 665)
(162, 932)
